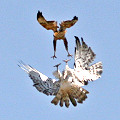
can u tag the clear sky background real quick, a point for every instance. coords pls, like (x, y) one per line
(22, 38)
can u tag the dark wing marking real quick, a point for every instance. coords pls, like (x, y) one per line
(83, 54)
(83, 57)
(42, 83)
(96, 70)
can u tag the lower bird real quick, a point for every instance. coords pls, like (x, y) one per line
(58, 34)
(68, 87)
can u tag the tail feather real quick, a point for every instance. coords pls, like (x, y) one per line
(56, 99)
(61, 102)
(73, 101)
(67, 102)
(73, 94)
(63, 98)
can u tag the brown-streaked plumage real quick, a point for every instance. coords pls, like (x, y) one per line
(58, 33)
(68, 87)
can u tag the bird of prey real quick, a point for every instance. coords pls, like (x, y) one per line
(68, 87)
(58, 34)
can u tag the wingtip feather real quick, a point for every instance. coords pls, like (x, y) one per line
(39, 14)
(75, 18)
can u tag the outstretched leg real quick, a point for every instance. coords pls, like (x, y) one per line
(54, 45)
(66, 46)
(57, 73)
(57, 66)
(66, 61)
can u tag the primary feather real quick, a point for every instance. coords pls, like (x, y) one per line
(70, 81)
(58, 33)
(41, 82)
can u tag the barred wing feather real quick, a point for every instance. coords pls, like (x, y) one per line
(83, 54)
(42, 83)
(70, 81)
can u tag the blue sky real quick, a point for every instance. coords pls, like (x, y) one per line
(22, 38)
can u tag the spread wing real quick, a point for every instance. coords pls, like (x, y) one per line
(41, 82)
(70, 89)
(83, 57)
(68, 23)
(83, 54)
(49, 25)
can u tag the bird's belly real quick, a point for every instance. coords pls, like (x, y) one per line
(59, 35)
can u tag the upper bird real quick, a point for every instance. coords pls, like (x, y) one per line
(58, 33)
(70, 81)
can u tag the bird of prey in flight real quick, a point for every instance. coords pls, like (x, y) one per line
(68, 87)
(58, 33)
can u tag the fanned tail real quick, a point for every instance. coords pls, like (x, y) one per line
(74, 94)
